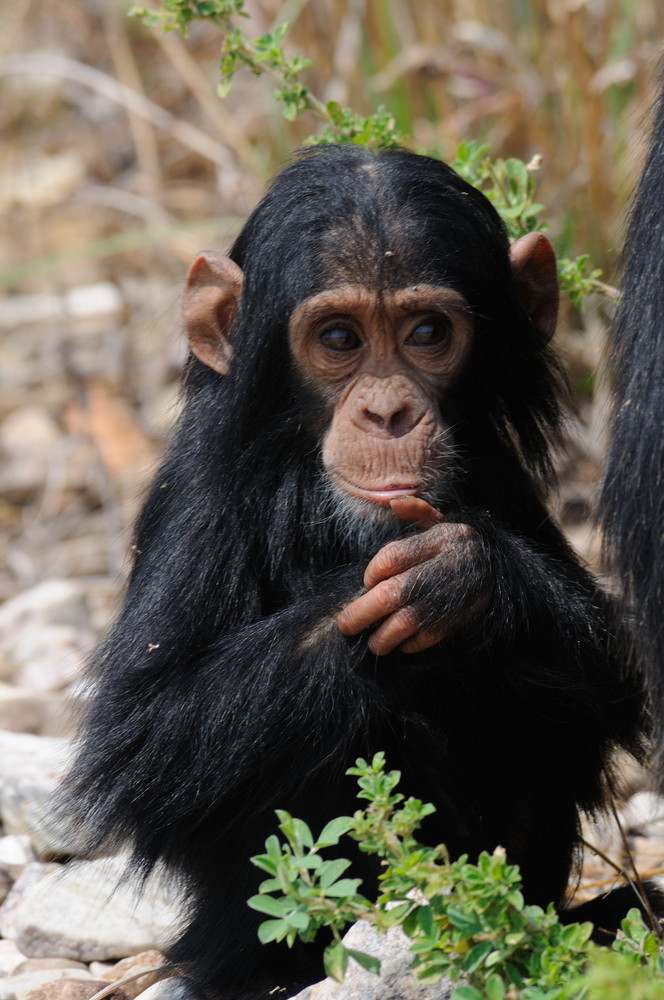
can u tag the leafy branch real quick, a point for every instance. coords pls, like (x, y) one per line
(508, 184)
(266, 55)
(465, 921)
(510, 187)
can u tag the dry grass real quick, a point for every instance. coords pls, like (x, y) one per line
(118, 163)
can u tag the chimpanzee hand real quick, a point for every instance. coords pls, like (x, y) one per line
(425, 586)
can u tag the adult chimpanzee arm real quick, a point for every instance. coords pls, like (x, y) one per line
(631, 505)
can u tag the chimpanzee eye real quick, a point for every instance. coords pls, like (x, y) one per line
(339, 339)
(429, 334)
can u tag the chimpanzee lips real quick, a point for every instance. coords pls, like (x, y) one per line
(381, 495)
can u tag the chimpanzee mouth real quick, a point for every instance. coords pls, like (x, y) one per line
(379, 496)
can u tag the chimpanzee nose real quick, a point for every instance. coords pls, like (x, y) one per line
(394, 420)
(389, 414)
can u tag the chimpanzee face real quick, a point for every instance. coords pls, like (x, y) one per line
(381, 362)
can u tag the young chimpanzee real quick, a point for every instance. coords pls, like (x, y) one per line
(347, 549)
(632, 499)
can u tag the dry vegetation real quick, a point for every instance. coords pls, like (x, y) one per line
(118, 163)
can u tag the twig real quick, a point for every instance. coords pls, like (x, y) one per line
(147, 152)
(199, 85)
(159, 971)
(48, 64)
(654, 922)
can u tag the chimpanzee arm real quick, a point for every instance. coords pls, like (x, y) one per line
(176, 737)
(477, 577)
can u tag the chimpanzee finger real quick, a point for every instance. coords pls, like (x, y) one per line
(423, 640)
(397, 557)
(364, 611)
(397, 629)
(417, 510)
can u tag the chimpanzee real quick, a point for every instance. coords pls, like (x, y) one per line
(346, 549)
(632, 498)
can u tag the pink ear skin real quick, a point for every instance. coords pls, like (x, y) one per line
(211, 296)
(534, 270)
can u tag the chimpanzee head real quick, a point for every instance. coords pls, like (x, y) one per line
(380, 290)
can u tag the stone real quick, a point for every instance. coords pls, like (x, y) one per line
(643, 815)
(39, 964)
(16, 987)
(72, 989)
(47, 713)
(45, 635)
(146, 962)
(30, 768)
(90, 911)
(10, 957)
(395, 982)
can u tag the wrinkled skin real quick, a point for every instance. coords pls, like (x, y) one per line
(409, 577)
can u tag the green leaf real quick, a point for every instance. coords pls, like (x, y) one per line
(331, 870)
(425, 918)
(333, 831)
(335, 961)
(476, 955)
(272, 930)
(515, 938)
(268, 904)
(495, 988)
(345, 887)
(466, 993)
(269, 885)
(466, 922)
(395, 914)
(265, 863)
(299, 919)
(303, 832)
(368, 962)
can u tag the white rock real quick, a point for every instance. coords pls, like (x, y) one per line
(16, 852)
(99, 299)
(15, 987)
(30, 767)
(143, 965)
(45, 635)
(83, 912)
(45, 713)
(395, 982)
(644, 814)
(10, 957)
(49, 657)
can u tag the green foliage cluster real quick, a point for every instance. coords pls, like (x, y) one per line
(508, 184)
(468, 922)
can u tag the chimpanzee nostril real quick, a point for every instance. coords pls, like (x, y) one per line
(395, 422)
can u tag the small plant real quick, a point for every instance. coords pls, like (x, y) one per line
(508, 184)
(466, 921)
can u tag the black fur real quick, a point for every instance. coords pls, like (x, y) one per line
(632, 498)
(225, 688)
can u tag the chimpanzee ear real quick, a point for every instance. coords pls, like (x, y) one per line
(211, 297)
(534, 270)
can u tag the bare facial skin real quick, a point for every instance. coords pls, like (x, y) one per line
(382, 363)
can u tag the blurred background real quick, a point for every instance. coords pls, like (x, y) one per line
(119, 163)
